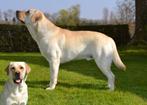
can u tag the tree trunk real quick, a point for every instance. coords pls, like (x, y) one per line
(141, 21)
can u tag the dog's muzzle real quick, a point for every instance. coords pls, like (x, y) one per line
(18, 16)
(17, 79)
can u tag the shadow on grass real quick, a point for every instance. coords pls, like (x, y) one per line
(83, 86)
(43, 84)
(84, 67)
(134, 80)
(38, 60)
(37, 84)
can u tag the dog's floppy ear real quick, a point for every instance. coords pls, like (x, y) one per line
(36, 17)
(28, 69)
(7, 69)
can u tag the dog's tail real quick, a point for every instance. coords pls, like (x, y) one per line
(116, 58)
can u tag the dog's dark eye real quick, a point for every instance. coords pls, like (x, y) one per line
(21, 67)
(13, 68)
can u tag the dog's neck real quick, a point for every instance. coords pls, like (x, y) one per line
(43, 27)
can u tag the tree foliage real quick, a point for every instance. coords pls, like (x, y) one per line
(125, 12)
(69, 17)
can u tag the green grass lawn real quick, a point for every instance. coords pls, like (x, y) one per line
(81, 82)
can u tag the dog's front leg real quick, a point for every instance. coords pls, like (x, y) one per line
(54, 68)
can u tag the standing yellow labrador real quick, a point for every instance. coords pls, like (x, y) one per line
(59, 45)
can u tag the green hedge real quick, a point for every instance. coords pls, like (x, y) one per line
(16, 38)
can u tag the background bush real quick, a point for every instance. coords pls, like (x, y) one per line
(16, 38)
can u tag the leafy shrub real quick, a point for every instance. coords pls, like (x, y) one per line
(16, 38)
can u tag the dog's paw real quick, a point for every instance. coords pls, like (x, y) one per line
(111, 87)
(50, 88)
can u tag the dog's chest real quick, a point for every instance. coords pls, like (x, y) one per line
(45, 47)
(16, 96)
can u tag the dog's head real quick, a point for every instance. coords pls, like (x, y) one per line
(17, 71)
(31, 16)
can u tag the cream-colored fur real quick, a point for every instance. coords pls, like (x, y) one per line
(59, 45)
(15, 90)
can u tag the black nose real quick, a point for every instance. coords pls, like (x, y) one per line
(17, 76)
(17, 12)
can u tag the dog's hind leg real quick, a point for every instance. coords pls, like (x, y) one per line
(104, 65)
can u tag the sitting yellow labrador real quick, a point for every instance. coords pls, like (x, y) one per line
(59, 45)
(15, 90)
